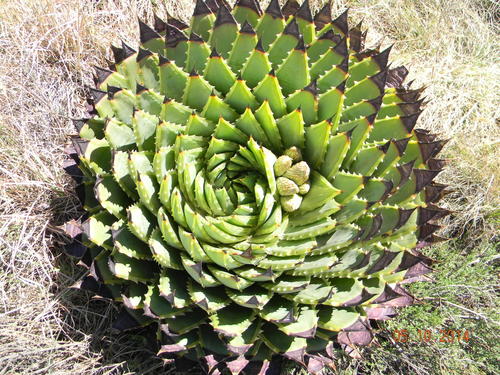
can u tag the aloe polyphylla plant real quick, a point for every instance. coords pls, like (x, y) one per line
(254, 186)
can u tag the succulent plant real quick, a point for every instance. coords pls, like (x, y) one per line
(254, 185)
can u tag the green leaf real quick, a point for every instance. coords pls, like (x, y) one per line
(98, 156)
(209, 299)
(123, 103)
(305, 326)
(335, 319)
(320, 193)
(291, 347)
(279, 310)
(128, 244)
(291, 127)
(119, 135)
(245, 42)
(219, 74)
(174, 112)
(215, 109)
(181, 324)
(222, 256)
(287, 284)
(122, 175)
(340, 237)
(269, 89)
(348, 184)
(266, 119)
(198, 273)
(253, 297)
(224, 32)
(173, 287)
(317, 139)
(197, 92)
(345, 289)
(230, 280)
(256, 67)
(314, 264)
(241, 344)
(144, 125)
(202, 21)
(164, 254)
(131, 269)
(111, 197)
(232, 320)
(97, 229)
(268, 28)
(197, 53)
(293, 74)
(173, 80)
(316, 292)
(338, 146)
(140, 222)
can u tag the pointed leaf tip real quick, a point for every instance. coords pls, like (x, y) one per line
(193, 37)
(396, 77)
(401, 145)
(300, 45)
(379, 79)
(324, 16)
(437, 163)
(101, 74)
(410, 121)
(304, 12)
(176, 22)
(127, 50)
(164, 60)
(201, 8)
(159, 25)
(143, 53)
(250, 4)
(274, 9)
(424, 177)
(224, 16)
(78, 123)
(214, 53)
(312, 87)
(341, 48)
(292, 28)
(247, 29)
(97, 95)
(383, 57)
(146, 33)
(341, 22)
(290, 8)
(213, 5)
(173, 36)
(259, 47)
(117, 54)
(139, 88)
(376, 102)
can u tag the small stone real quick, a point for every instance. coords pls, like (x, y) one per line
(294, 153)
(286, 186)
(291, 203)
(282, 164)
(304, 188)
(299, 173)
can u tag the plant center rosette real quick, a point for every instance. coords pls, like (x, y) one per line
(254, 186)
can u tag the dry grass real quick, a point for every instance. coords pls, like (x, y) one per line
(48, 49)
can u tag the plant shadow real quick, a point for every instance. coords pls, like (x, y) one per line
(87, 318)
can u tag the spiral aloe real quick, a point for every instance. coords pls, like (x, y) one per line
(254, 185)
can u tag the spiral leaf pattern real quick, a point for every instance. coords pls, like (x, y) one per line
(255, 185)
